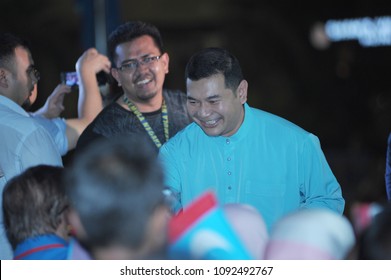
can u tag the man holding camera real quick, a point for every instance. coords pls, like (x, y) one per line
(66, 132)
(24, 143)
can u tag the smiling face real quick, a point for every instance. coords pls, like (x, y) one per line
(218, 110)
(146, 81)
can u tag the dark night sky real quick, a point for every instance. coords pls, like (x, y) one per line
(342, 94)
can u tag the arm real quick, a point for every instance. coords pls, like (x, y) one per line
(48, 117)
(54, 103)
(37, 148)
(90, 101)
(321, 188)
(171, 192)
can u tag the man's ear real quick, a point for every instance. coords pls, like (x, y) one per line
(76, 224)
(115, 74)
(166, 61)
(242, 91)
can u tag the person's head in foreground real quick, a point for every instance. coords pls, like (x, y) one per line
(250, 227)
(375, 241)
(311, 234)
(118, 210)
(35, 207)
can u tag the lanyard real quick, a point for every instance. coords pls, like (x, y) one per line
(145, 123)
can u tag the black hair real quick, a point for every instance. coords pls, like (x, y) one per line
(130, 31)
(212, 61)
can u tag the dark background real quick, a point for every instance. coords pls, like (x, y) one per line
(342, 94)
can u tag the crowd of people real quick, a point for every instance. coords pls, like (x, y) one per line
(143, 161)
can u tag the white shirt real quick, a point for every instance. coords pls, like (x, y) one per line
(23, 143)
(57, 129)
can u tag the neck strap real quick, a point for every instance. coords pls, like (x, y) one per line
(145, 123)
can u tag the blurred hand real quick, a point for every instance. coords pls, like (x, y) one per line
(54, 103)
(92, 60)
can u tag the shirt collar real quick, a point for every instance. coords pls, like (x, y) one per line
(33, 244)
(245, 126)
(13, 106)
(243, 130)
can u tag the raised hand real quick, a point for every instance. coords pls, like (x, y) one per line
(54, 103)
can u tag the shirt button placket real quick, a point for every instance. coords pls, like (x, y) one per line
(229, 166)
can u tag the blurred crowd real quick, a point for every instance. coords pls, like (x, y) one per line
(158, 173)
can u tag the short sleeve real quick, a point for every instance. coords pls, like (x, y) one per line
(56, 127)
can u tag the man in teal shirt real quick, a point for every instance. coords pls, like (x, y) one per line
(244, 154)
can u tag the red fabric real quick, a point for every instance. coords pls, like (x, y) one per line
(182, 221)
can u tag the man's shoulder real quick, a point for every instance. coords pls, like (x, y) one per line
(276, 122)
(112, 120)
(111, 113)
(174, 96)
(25, 135)
(185, 136)
(112, 108)
(18, 123)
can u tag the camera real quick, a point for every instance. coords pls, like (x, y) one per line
(71, 79)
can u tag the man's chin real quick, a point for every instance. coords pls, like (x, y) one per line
(210, 132)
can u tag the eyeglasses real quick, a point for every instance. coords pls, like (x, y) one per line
(34, 73)
(132, 64)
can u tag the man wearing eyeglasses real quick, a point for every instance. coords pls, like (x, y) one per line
(24, 143)
(139, 66)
